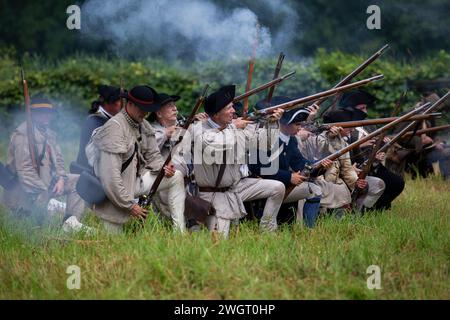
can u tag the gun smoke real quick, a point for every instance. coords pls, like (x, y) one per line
(187, 30)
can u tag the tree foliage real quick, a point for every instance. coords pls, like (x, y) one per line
(72, 82)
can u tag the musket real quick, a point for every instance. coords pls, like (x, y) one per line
(353, 74)
(294, 103)
(313, 170)
(367, 166)
(316, 166)
(263, 87)
(399, 135)
(369, 122)
(122, 99)
(427, 130)
(30, 127)
(144, 201)
(251, 67)
(275, 75)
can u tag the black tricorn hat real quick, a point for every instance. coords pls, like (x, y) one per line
(145, 97)
(219, 99)
(41, 104)
(165, 98)
(109, 94)
(294, 116)
(355, 97)
(341, 116)
(262, 104)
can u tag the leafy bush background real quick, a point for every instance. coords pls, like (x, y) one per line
(73, 81)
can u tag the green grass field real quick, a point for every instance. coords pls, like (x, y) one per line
(410, 244)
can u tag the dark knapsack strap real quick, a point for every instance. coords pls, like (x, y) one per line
(127, 163)
(221, 170)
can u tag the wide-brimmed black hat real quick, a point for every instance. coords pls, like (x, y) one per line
(165, 98)
(41, 104)
(219, 99)
(353, 98)
(145, 97)
(109, 94)
(294, 116)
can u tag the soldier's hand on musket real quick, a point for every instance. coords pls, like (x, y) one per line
(201, 116)
(380, 156)
(297, 178)
(440, 146)
(368, 143)
(361, 183)
(58, 189)
(357, 170)
(334, 131)
(386, 139)
(312, 109)
(426, 140)
(276, 115)
(303, 133)
(326, 163)
(170, 131)
(241, 123)
(169, 170)
(138, 212)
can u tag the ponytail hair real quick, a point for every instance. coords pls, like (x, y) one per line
(95, 105)
(107, 94)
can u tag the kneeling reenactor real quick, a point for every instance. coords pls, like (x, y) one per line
(37, 183)
(291, 163)
(223, 179)
(126, 159)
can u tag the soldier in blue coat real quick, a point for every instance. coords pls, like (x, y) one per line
(291, 164)
(103, 109)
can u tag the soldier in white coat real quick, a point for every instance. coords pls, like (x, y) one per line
(126, 136)
(221, 138)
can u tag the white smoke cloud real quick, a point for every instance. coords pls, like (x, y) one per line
(194, 29)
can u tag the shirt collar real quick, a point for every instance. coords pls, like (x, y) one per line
(106, 113)
(213, 124)
(285, 138)
(130, 121)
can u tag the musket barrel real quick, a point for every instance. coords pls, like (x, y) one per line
(292, 104)
(197, 106)
(411, 125)
(275, 75)
(369, 122)
(427, 130)
(122, 100)
(161, 172)
(30, 127)
(355, 144)
(357, 71)
(371, 159)
(263, 87)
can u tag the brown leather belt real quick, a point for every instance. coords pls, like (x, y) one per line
(213, 189)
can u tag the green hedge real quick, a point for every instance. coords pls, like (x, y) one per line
(73, 81)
